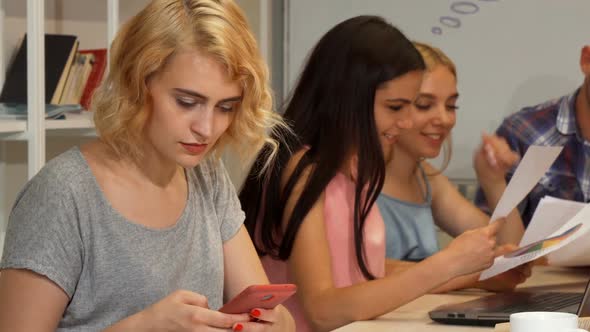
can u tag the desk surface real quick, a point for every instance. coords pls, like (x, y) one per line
(414, 315)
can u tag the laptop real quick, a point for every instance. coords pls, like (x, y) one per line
(493, 309)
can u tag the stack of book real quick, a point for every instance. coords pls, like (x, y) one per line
(17, 111)
(71, 76)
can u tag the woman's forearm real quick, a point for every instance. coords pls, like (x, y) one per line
(336, 307)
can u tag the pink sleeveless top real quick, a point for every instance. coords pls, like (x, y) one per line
(338, 217)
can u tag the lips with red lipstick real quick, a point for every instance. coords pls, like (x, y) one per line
(194, 148)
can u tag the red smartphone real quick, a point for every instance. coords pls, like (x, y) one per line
(259, 296)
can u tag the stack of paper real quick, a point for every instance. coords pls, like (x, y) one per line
(555, 224)
(551, 214)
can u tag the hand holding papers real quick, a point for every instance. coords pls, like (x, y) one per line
(575, 228)
(531, 168)
(549, 216)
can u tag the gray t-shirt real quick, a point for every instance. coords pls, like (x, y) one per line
(63, 227)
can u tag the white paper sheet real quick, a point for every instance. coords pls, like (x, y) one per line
(577, 253)
(532, 167)
(549, 216)
(574, 254)
(575, 228)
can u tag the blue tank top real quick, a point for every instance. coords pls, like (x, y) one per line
(409, 227)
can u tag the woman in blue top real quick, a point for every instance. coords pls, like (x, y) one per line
(416, 196)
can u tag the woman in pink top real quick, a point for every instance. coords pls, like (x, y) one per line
(312, 210)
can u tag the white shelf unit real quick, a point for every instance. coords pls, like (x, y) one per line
(35, 128)
(80, 124)
(12, 126)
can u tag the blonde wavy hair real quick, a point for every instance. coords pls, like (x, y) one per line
(433, 58)
(146, 43)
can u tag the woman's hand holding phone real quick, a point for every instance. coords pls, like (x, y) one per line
(187, 311)
(261, 303)
(262, 320)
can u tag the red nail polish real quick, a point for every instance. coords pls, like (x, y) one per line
(255, 313)
(238, 327)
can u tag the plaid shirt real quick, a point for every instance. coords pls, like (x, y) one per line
(550, 124)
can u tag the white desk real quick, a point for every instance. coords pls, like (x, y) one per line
(413, 317)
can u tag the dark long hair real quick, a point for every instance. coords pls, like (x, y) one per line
(331, 111)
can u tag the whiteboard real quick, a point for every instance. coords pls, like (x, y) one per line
(509, 53)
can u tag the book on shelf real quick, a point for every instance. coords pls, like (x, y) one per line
(79, 73)
(99, 63)
(60, 52)
(18, 111)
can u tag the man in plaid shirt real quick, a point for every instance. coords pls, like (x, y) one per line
(560, 122)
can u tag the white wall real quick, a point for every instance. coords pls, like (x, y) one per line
(509, 53)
